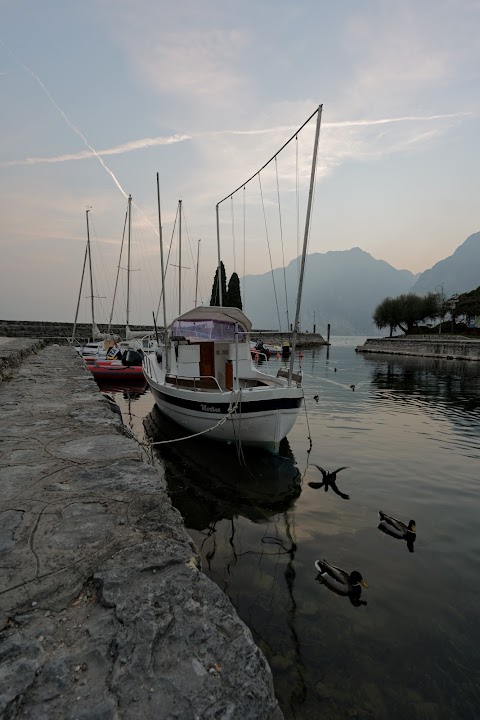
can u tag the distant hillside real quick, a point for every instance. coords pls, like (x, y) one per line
(458, 273)
(341, 287)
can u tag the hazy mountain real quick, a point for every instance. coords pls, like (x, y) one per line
(457, 274)
(341, 287)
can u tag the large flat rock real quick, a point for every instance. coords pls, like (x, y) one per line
(104, 610)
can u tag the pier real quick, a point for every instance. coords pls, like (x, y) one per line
(451, 347)
(104, 610)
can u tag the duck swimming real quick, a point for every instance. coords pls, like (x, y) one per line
(342, 582)
(398, 529)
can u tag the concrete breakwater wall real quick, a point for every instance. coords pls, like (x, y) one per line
(450, 348)
(104, 611)
(304, 340)
(56, 332)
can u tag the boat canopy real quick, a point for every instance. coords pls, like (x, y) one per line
(211, 323)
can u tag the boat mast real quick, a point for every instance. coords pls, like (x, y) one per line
(91, 277)
(179, 257)
(196, 279)
(165, 330)
(129, 249)
(305, 241)
(118, 272)
(79, 295)
(219, 275)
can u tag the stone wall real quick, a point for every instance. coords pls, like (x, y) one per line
(58, 332)
(451, 347)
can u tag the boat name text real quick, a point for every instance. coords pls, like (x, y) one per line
(208, 408)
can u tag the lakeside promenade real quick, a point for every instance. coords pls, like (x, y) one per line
(104, 611)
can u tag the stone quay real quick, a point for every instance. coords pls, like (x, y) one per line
(105, 613)
(451, 347)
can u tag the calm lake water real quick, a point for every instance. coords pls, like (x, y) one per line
(410, 435)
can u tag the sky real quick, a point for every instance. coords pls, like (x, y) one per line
(100, 96)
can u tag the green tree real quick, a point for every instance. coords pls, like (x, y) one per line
(215, 296)
(469, 303)
(405, 311)
(234, 297)
(386, 314)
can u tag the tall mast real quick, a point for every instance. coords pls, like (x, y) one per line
(91, 277)
(129, 249)
(305, 240)
(79, 294)
(179, 257)
(165, 329)
(220, 298)
(196, 279)
(118, 272)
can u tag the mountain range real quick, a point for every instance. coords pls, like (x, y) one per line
(342, 288)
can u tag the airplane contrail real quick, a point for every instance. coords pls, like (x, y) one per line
(66, 118)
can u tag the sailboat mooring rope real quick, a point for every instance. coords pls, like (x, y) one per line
(233, 408)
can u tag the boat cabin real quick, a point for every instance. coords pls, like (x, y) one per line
(210, 350)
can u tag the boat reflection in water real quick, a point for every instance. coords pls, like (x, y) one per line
(238, 506)
(209, 481)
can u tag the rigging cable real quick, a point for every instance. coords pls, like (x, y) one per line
(298, 204)
(118, 271)
(270, 255)
(162, 294)
(281, 239)
(244, 237)
(233, 236)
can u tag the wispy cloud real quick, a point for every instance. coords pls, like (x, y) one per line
(144, 143)
(87, 154)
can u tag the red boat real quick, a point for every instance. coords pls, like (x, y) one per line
(114, 371)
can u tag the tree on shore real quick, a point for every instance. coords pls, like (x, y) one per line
(405, 311)
(234, 296)
(215, 296)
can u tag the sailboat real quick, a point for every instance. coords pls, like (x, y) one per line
(203, 377)
(101, 343)
(96, 352)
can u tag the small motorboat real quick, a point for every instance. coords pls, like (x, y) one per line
(128, 369)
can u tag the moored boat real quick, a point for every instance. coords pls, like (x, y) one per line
(205, 380)
(203, 376)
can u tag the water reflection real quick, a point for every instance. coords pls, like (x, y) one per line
(457, 383)
(217, 492)
(208, 481)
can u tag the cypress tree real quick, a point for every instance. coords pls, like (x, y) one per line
(215, 296)
(234, 297)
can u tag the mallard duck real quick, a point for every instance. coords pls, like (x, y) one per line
(339, 580)
(397, 528)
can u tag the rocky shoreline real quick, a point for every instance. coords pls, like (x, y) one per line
(104, 610)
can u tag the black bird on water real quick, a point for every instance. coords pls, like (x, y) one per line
(352, 387)
(329, 480)
(315, 397)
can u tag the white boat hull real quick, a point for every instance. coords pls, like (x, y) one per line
(260, 419)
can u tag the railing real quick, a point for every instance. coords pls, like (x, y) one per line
(191, 382)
